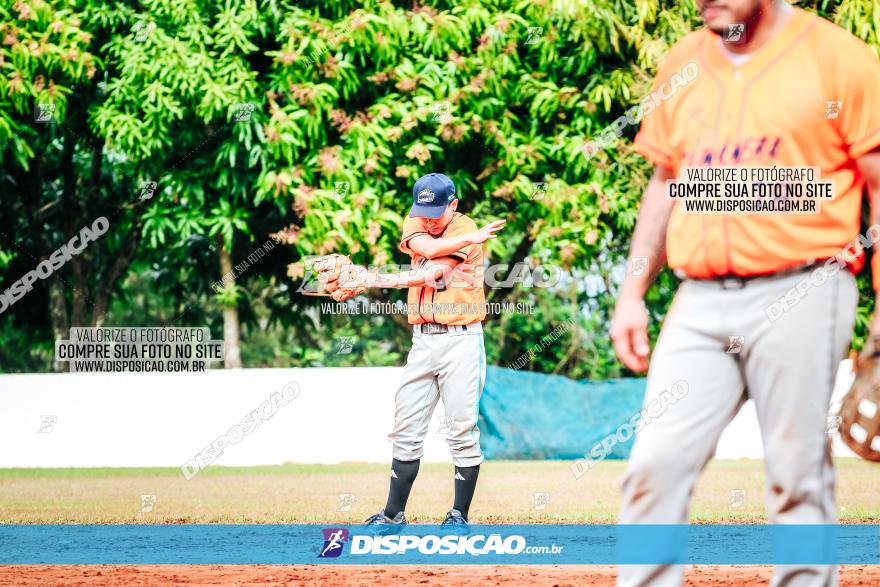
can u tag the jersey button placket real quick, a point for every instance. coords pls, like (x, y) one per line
(734, 130)
(716, 224)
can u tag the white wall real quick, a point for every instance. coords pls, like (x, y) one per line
(742, 438)
(138, 420)
(165, 419)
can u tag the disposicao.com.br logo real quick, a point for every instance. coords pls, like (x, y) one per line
(334, 542)
(429, 544)
(432, 544)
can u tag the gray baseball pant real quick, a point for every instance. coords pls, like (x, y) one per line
(451, 366)
(787, 366)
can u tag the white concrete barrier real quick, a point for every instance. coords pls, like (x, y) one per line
(742, 438)
(141, 420)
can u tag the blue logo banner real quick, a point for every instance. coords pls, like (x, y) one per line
(734, 544)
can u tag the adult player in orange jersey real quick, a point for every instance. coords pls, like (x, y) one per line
(768, 301)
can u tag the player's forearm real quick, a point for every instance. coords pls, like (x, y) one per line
(869, 166)
(874, 213)
(873, 188)
(413, 278)
(648, 249)
(394, 280)
(433, 248)
(874, 202)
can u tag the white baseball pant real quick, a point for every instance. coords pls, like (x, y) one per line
(787, 366)
(450, 366)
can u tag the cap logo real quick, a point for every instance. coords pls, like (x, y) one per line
(425, 196)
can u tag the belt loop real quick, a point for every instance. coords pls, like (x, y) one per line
(732, 282)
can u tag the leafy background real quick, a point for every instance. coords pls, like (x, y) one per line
(350, 103)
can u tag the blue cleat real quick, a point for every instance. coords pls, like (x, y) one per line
(455, 523)
(380, 524)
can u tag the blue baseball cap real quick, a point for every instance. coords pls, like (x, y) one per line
(431, 194)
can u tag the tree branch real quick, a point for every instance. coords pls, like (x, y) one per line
(106, 284)
(80, 292)
(58, 315)
(520, 254)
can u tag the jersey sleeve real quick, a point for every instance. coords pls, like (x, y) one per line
(461, 225)
(652, 140)
(859, 94)
(411, 227)
(858, 89)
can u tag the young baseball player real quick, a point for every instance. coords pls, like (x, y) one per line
(446, 307)
(776, 86)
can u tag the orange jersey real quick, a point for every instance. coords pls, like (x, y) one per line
(458, 300)
(809, 97)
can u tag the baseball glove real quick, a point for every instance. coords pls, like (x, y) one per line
(339, 277)
(860, 410)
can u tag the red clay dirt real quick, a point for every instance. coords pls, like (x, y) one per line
(356, 576)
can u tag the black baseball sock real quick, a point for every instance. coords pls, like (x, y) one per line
(403, 475)
(465, 485)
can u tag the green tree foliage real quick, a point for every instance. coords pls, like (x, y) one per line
(310, 121)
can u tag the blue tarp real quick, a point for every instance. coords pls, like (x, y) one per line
(525, 415)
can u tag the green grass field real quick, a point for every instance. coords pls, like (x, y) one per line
(311, 493)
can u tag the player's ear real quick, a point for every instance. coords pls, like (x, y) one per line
(454, 204)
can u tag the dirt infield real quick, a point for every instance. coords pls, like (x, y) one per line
(351, 576)
(312, 494)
